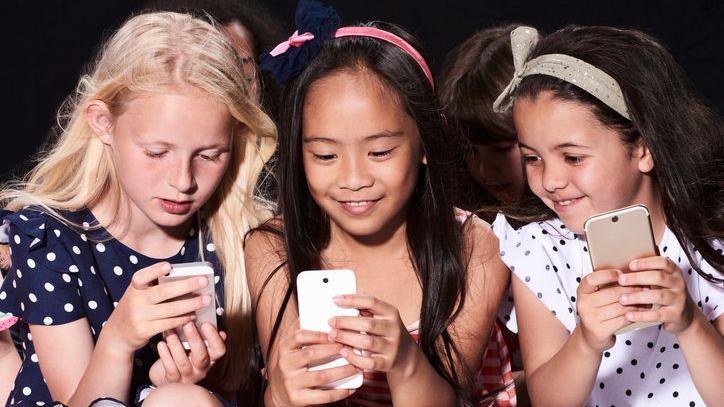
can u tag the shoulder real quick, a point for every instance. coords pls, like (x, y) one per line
(264, 253)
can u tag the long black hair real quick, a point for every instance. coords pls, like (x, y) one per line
(683, 134)
(434, 237)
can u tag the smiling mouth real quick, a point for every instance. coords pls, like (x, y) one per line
(565, 203)
(358, 208)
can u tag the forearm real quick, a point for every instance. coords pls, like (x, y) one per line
(108, 374)
(571, 372)
(703, 349)
(420, 385)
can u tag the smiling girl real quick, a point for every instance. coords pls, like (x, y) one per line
(606, 119)
(156, 165)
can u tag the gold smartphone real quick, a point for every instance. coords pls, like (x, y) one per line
(616, 238)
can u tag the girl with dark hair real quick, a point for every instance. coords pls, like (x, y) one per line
(364, 185)
(606, 119)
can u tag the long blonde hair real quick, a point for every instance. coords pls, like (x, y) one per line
(151, 53)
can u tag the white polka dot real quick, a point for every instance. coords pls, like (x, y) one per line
(76, 250)
(42, 227)
(103, 324)
(86, 225)
(73, 268)
(27, 391)
(115, 304)
(217, 279)
(68, 307)
(22, 308)
(50, 256)
(183, 250)
(30, 336)
(80, 283)
(3, 295)
(19, 273)
(34, 358)
(23, 217)
(192, 231)
(47, 320)
(84, 237)
(39, 403)
(15, 285)
(219, 311)
(210, 247)
(17, 239)
(31, 263)
(117, 270)
(92, 304)
(49, 287)
(93, 270)
(57, 232)
(32, 297)
(34, 242)
(66, 278)
(133, 259)
(101, 247)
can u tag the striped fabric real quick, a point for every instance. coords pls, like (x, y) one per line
(494, 375)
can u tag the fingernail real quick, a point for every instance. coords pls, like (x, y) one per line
(332, 322)
(206, 300)
(187, 327)
(166, 267)
(344, 352)
(332, 335)
(623, 299)
(630, 316)
(203, 281)
(633, 265)
(622, 279)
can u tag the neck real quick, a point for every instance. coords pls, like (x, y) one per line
(390, 242)
(133, 228)
(650, 195)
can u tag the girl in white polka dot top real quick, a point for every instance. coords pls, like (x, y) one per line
(156, 165)
(605, 119)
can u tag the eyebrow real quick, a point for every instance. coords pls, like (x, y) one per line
(558, 147)
(382, 134)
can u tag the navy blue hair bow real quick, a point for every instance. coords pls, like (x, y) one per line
(315, 22)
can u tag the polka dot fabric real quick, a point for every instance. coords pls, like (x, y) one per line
(60, 275)
(644, 367)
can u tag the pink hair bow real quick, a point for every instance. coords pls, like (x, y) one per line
(294, 41)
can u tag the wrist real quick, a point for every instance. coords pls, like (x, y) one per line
(408, 366)
(111, 347)
(695, 326)
(579, 339)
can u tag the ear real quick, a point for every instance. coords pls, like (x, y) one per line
(642, 153)
(424, 159)
(100, 120)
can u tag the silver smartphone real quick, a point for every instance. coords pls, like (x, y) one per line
(616, 238)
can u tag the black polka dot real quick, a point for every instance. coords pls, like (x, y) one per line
(619, 370)
(573, 299)
(578, 279)
(664, 250)
(568, 266)
(689, 271)
(634, 362)
(663, 348)
(607, 354)
(662, 380)
(628, 392)
(642, 375)
(676, 346)
(545, 232)
(527, 279)
(650, 345)
(558, 290)
(527, 252)
(628, 342)
(554, 312)
(532, 236)
(676, 366)
(650, 395)
(658, 365)
(562, 242)
(555, 249)
(676, 394)
(585, 249)
(601, 385)
(706, 299)
(570, 310)
(555, 269)
(692, 404)
(540, 295)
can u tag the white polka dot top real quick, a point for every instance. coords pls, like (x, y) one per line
(644, 367)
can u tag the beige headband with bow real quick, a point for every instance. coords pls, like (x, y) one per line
(573, 70)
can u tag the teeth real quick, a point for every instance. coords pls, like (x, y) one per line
(357, 203)
(564, 203)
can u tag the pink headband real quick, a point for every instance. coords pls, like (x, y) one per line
(298, 39)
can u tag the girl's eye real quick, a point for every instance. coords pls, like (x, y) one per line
(324, 157)
(380, 154)
(531, 159)
(574, 159)
(210, 157)
(155, 154)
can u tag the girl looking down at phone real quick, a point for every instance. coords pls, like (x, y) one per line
(156, 164)
(363, 177)
(606, 119)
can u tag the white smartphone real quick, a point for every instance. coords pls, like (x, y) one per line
(183, 271)
(616, 238)
(315, 289)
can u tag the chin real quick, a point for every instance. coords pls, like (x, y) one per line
(168, 220)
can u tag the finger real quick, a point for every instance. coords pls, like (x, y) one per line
(144, 278)
(179, 307)
(662, 297)
(613, 325)
(592, 282)
(652, 263)
(647, 278)
(364, 302)
(611, 294)
(223, 335)
(216, 346)
(167, 291)
(199, 356)
(361, 362)
(318, 378)
(169, 366)
(310, 396)
(376, 326)
(612, 311)
(178, 353)
(372, 343)
(301, 337)
(159, 325)
(312, 354)
(657, 315)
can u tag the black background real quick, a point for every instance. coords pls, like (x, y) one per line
(48, 42)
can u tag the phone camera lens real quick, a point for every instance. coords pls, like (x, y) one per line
(325, 280)
(614, 219)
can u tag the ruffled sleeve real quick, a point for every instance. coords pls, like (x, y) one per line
(535, 256)
(42, 287)
(711, 295)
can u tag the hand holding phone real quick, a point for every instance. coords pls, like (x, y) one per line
(206, 314)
